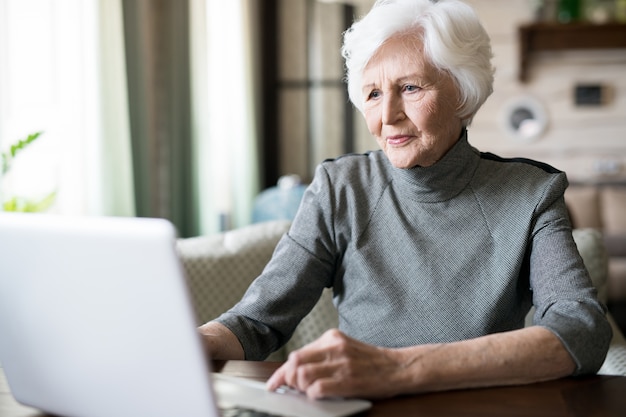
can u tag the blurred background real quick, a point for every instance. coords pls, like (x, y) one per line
(188, 109)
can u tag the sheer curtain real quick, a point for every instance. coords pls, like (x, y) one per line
(225, 95)
(147, 108)
(62, 73)
(113, 191)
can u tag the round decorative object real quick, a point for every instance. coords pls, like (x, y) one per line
(524, 119)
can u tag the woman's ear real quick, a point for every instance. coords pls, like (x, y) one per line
(467, 120)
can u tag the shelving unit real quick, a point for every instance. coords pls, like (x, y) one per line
(538, 37)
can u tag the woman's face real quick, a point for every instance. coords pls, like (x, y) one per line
(410, 107)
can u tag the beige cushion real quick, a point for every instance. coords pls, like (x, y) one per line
(591, 248)
(616, 285)
(613, 203)
(582, 203)
(615, 244)
(220, 267)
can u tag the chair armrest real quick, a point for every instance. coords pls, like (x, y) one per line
(220, 268)
(615, 362)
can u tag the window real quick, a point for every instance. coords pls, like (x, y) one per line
(49, 82)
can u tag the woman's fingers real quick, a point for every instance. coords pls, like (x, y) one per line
(334, 365)
(293, 372)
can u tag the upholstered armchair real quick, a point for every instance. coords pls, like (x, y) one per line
(221, 267)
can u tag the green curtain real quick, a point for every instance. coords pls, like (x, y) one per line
(158, 72)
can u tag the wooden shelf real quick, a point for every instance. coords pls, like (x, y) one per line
(537, 37)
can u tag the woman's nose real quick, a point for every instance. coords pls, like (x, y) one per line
(393, 109)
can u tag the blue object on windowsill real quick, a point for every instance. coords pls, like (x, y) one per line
(280, 202)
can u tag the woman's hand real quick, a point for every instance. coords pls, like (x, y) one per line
(336, 365)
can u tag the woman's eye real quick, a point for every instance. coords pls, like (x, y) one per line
(411, 88)
(373, 95)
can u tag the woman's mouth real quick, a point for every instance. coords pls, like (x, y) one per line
(397, 140)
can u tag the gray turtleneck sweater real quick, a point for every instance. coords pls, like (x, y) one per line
(453, 251)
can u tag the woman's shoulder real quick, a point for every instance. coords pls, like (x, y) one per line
(518, 163)
(368, 166)
(519, 175)
(351, 178)
(523, 168)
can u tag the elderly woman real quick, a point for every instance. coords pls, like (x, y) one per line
(435, 251)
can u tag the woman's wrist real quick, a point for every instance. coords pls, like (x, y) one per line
(220, 342)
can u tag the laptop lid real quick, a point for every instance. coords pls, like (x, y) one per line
(96, 321)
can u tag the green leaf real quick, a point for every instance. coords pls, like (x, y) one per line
(16, 148)
(43, 204)
(22, 144)
(21, 204)
(10, 205)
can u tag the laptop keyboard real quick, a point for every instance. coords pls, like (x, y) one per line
(245, 412)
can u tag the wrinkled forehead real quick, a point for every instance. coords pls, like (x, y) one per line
(401, 52)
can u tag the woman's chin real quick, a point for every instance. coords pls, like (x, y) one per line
(398, 160)
(403, 164)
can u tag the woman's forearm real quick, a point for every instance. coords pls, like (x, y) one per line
(523, 356)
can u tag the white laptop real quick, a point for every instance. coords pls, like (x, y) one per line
(96, 321)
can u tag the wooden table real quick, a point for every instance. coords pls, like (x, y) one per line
(584, 397)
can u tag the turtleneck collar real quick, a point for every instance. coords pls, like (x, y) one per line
(442, 180)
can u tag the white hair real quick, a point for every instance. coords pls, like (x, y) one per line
(454, 41)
